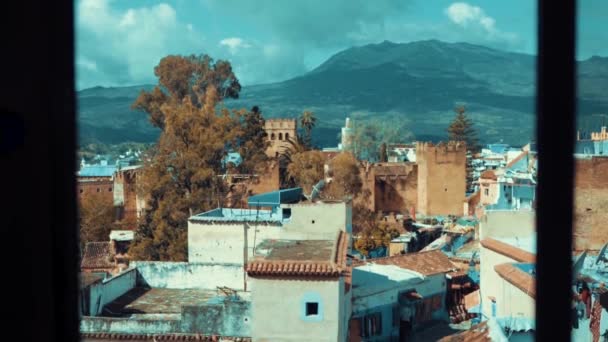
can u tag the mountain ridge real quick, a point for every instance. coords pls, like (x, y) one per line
(417, 82)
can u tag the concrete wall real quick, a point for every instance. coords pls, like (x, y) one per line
(225, 318)
(510, 301)
(182, 275)
(162, 325)
(493, 191)
(507, 223)
(282, 320)
(378, 294)
(590, 203)
(225, 242)
(319, 221)
(441, 178)
(108, 290)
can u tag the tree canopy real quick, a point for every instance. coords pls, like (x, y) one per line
(461, 129)
(96, 217)
(186, 77)
(181, 174)
(369, 135)
(306, 169)
(308, 121)
(346, 180)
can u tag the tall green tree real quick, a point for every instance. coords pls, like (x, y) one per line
(186, 77)
(368, 136)
(461, 129)
(383, 153)
(253, 142)
(308, 121)
(96, 217)
(180, 174)
(306, 169)
(346, 180)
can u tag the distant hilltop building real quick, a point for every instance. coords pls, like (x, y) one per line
(347, 136)
(600, 136)
(279, 132)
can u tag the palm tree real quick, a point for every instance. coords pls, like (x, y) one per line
(308, 120)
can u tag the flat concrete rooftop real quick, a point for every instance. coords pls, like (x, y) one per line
(312, 250)
(140, 300)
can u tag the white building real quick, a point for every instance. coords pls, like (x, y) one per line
(300, 290)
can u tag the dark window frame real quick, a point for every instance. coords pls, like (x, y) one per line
(55, 127)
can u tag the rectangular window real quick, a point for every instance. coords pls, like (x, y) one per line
(286, 213)
(312, 309)
(372, 325)
(486, 192)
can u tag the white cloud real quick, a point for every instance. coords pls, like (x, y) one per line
(464, 14)
(86, 63)
(474, 19)
(234, 44)
(130, 41)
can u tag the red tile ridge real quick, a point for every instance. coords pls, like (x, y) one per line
(517, 277)
(508, 250)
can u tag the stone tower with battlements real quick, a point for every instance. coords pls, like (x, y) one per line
(278, 132)
(441, 177)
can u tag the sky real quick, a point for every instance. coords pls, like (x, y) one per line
(119, 42)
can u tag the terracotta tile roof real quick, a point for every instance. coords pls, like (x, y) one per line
(488, 174)
(477, 333)
(426, 263)
(294, 265)
(159, 337)
(97, 255)
(508, 250)
(518, 278)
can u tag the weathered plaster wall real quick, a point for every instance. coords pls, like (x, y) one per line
(106, 291)
(225, 242)
(225, 318)
(441, 178)
(182, 275)
(590, 203)
(318, 221)
(161, 325)
(509, 299)
(507, 223)
(281, 320)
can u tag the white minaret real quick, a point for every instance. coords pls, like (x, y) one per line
(347, 136)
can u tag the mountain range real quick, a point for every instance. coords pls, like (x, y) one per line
(416, 83)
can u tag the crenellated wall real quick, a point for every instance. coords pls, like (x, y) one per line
(278, 133)
(590, 202)
(441, 177)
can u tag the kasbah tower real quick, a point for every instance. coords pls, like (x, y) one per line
(441, 177)
(279, 132)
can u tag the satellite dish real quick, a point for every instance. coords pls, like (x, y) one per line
(602, 255)
(578, 265)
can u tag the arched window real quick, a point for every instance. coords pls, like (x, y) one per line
(286, 136)
(280, 136)
(272, 136)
